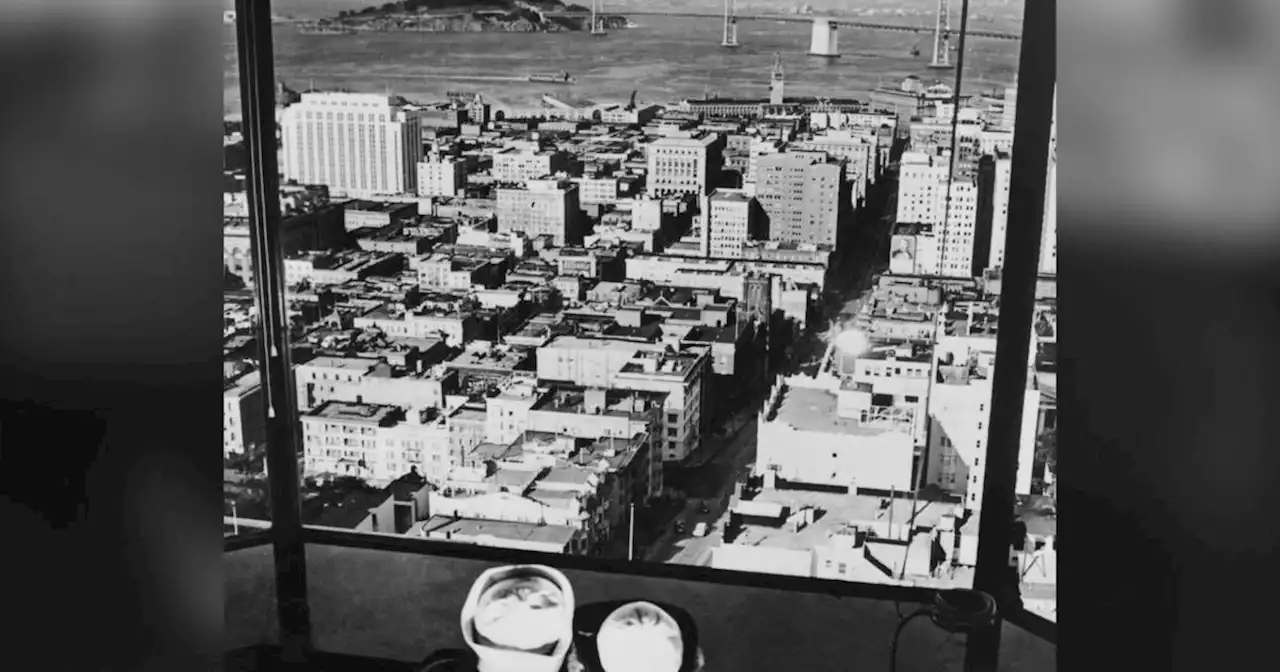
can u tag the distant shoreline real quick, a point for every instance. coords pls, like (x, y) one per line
(457, 24)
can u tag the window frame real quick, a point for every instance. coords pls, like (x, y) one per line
(289, 537)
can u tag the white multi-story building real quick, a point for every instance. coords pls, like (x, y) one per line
(729, 220)
(243, 414)
(597, 190)
(1000, 216)
(992, 140)
(688, 165)
(441, 176)
(759, 147)
(812, 434)
(360, 379)
(857, 148)
(628, 365)
(382, 442)
(357, 144)
(1000, 209)
(959, 409)
(517, 164)
(546, 207)
(914, 250)
(922, 199)
(922, 180)
(800, 194)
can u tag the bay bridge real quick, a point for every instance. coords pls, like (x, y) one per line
(824, 41)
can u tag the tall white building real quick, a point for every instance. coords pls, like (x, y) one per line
(730, 219)
(546, 207)
(858, 149)
(357, 144)
(759, 147)
(441, 176)
(922, 199)
(1000, 217)
(678, 166)
(1000, 209)
(800, 193)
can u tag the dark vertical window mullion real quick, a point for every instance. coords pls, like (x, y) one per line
(1028, 181)
(262, 183)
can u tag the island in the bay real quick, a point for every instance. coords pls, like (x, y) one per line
(457, 16)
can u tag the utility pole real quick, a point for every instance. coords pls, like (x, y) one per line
(928, 433)
(631, 534)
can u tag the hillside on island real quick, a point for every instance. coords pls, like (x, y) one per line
(526, 16)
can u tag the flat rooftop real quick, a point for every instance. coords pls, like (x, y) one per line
(918, 353)
(345, 411)
(375, 206)
(470, 528)
(241, 384)
(572, 399)
(704, 334)
(735, 196)
(339, 505)
(840, 510)
(494, 451)
(668, 364)
(575, 342)
(615, 454)
(360, 364)
(814, 410)
(489, 359)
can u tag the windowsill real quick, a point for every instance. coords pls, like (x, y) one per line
(393, 605)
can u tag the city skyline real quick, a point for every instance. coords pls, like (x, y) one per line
(622, 328)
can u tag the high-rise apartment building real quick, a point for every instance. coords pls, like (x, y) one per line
(357, 144)
(546, 207)
(922, 199)
(857, 149)
(801, 194)
(730, 219)
(1049, 236)
(758, 148)
(441, 176)
(684, 165)
(1000, 213)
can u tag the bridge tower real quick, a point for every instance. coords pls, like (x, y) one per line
(825, 41)
(730, 40)
(776, 81)
(597, 25)
(942, 37)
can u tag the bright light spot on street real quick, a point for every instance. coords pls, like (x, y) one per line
(852, 342)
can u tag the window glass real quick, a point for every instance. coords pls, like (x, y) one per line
(433, 302)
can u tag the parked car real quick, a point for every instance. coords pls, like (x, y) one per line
(700, 530)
